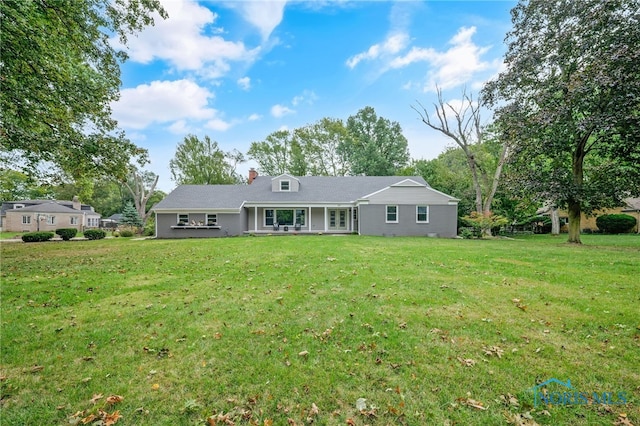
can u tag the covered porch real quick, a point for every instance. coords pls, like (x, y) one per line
(301, 219)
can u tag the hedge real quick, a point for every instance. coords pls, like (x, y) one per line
(615, 223)
(94, 234)
(67, 233)
(36, 237)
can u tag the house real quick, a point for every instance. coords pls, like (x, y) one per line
(588, 222)
(47, 215)
(366, 205)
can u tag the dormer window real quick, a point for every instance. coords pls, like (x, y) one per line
(285, 185)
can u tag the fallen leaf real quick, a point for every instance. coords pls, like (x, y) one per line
(520, 419)
(96, 397)
(350, 422)
(623, 420)
(471, 403)
(361, 404)
(509, 400)
(88, 419)
(493, 350)
(467, 362)
(36, 368)
(114, 399)
(155, 386)
(314, 410)
(303, 353)
(111, 419)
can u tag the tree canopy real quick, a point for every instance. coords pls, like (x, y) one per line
(202, 162)
(59, 74)
(376, 146)
(569, 102)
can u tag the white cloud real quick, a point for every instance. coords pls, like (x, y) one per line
(162, 102)
(307, 96)
(280, 111)
(179, 127)
(218, 124)
(180, 40)
(244, 83)
(254, 117)
(391, 46)
(264, 15)
(450, 68)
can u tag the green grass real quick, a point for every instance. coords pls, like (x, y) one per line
(185, 330)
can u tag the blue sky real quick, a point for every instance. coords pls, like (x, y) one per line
(238, 71)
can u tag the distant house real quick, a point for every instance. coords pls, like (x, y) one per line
(112, 221)
(47, 215)
(588, 222)
(366, 205)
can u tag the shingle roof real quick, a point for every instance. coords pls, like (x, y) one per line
(327, 189)
(48, 207)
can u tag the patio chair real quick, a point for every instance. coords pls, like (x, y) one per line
(276, 226)
(297, 226)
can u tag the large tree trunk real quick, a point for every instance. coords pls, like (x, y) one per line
(555, 221)
(574, 206)
(574, 222)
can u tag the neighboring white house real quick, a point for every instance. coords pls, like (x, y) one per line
(366, 205)
(47, 215)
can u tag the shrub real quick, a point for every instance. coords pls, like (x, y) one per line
(615, 223)
(35, 237)
(94, 234)
(115, 234)
(126, 233)
(67, 233)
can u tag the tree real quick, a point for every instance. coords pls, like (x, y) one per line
(273, 155)
(375, 146)
(569, 103)
(130, 216)
(59, 76)
(141, 185)
(15, 185)
(202, 162)
(463, 125)
(320, 143)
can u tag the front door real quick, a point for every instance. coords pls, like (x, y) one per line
(337, 219)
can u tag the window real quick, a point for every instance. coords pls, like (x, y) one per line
(183, 218)
(422, 214)
(392, 214)
(300, 215)
(268, 217)
(212, 219)
(73, 220)
(51, 220)
(285, 185)
(26, 220)
(284, 217)
(18, 206)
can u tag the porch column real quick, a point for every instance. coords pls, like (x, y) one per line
(326, 227)
(351, 214)
(255, 219)
(309, 219)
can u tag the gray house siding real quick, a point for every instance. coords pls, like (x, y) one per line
(230, 224)
(328, 202)
(443, 220)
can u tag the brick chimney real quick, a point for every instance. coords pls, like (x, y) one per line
(76, 203)
(252, 175)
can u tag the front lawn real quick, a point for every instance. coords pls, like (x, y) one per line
(320, 329)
